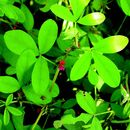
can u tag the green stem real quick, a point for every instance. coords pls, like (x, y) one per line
(38, 118)
(54, 79)
(50, 61)
(121, 25)
(5, 21)
(45, 121)
(95, 91)
(89, 125)
(103, 113)
(76, 38)
(122, 121)
(126, 83)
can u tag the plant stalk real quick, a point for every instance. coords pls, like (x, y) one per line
(121, 25)
(38, 118)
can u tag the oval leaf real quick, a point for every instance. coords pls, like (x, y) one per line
(107, 70)
(81, 66)
(96, 125)
(112, 44)
(17, 41)
(92, 19)
(8, 84)
(86, 102)
(6, 117)
(69, 119)
(9, 99)
(24, 66)
(55, 89)
(13, 12)
(47, 35)
(29, 20)
(77, 10)
(125, 5)
(14, 111)
(40, 76)
(32, 96)
(92, 76)
(62, 12)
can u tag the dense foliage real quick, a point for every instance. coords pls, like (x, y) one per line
(64, 65)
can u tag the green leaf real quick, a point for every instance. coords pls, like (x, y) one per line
(69, 103)
(125, 5)
(126, 110)
(55, 89)
(106, 69)
(112, 44)
(96, 125)
(81, 66)
(1, 12)
(6, 117)
(14, 111)
(9, 57)
(92, 76)
(9, 126)
(69, 119)
(9, 100)
(92, 19)
(47, 35)
(13, 12)
(78, 7)
(17, 41)
(62, 12)
(40, 76)
(8, 84)
(64, 43)
(2, 2)
(18, 122)
(24, 66)
(118, 110)
(86, 102)
(31, 95)
(48, 5)
(10, 70)
(101, 107)
(29, 20)
(0, 124)
(116, 95)
(57, 124)
(128, 127)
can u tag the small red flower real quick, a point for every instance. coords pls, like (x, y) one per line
(61, 65)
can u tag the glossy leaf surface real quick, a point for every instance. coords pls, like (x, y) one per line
(14, 111)
(112, 44)
(92, 19)
(78, 10)
(125, 5)
(40, 76)
(17, 41)
(81, 66)
(86, 102)
(14, 13)
(96, 125)
(24, 66)
(8, 84)
(29, 20)
(62, 12)
(47, 35)
(6, 117)
(9, 99)
(107, 70)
